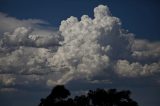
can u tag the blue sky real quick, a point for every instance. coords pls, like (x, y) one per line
(31, 63)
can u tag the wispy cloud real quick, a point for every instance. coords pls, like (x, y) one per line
(8, 23)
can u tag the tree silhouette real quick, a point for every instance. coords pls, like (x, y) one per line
(81, 100)
(99, 97)
(56, 97)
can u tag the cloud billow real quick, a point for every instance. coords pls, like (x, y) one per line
(81, 49)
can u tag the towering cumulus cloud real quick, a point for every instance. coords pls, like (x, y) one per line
(91, 46)
(81, 49)
(88, 43)
(83, 53)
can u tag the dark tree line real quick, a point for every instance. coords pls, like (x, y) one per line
(99, 97)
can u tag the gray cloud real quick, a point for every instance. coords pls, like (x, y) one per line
(25, 46)
(23, 36)
(8, 23)
(124, 68)
(144, 50)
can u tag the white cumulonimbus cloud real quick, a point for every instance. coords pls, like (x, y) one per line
(81, 49)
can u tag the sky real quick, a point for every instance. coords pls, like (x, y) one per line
(84, 44)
